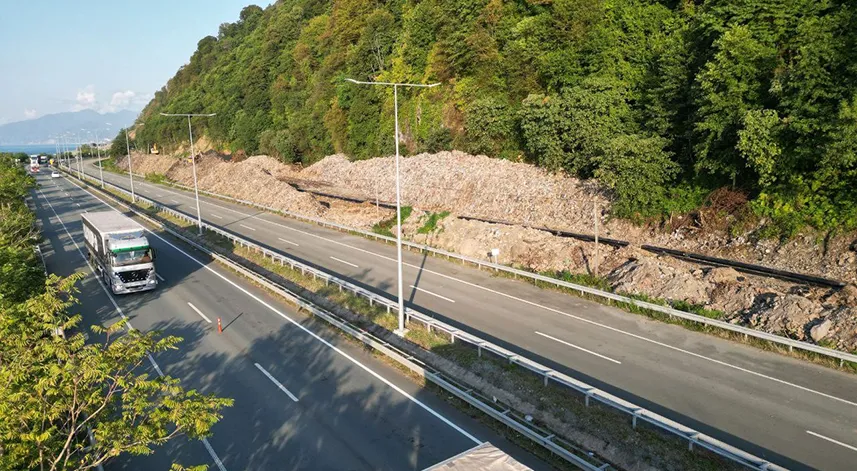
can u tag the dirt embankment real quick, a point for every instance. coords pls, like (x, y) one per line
(254, 179)
(495, 189)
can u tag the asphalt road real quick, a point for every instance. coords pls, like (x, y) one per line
(304, 397)
(796, 414)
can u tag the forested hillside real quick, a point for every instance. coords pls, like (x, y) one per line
(663, 101)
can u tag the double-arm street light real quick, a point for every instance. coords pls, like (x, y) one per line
(401, 331)
(192, 156)
(130, 169)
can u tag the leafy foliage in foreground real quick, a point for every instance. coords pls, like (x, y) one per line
(644, 94)
(55, 387)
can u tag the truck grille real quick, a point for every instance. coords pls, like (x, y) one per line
(133, 275)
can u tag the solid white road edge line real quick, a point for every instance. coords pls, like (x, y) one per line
(122, 314)
(246, 227)
(274, 380)
(200, 313)
(639, 337)
(343, 261)
(312, 334)
(852, 448)
(433, 294)
(579, 348)
(288, 242)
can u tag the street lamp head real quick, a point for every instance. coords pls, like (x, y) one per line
(397, 84)
(208, 115)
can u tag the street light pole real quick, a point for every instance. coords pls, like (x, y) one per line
(193, 158)
(79, 157)
(401, 330)
(100, 169)
(130, 168)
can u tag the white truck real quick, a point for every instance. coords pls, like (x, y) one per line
(118, 248)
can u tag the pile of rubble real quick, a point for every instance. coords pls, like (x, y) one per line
(503, 190)
(472, 185)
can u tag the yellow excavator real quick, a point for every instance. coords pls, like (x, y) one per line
(155, 149)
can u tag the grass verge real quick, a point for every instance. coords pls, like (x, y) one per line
(384, 227)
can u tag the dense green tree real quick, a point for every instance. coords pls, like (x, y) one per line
(741, 92)
(67, 403)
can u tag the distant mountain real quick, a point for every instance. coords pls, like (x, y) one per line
(43, 130)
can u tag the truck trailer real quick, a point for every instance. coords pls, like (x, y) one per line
(118, 248)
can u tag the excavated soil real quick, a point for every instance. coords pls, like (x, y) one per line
(482, 187)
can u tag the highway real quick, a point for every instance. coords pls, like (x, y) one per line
(793, 413)
(305, 398)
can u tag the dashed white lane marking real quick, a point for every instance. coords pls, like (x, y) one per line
(579, 348)
(556, 311)
(159, 276)
(343, 261)
(175, 202)
(200, 313)
(218, 217)
(274, 380)
(288, 242)
(433, 294)
(122, 314)
(312, 334)
(247, 227)
(852, 448)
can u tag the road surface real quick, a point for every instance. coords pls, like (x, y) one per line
(793, 413)
(304, 397)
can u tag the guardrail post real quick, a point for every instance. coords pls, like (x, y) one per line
(634, 421)
(479, 351)
(546, 378)
(587, 399)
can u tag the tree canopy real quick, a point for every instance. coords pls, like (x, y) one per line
(67, 403)
(758, 94)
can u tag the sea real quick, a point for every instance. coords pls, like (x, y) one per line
(33, 149)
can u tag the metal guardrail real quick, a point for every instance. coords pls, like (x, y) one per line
(672, 312)
(492, 408)
(637, 413)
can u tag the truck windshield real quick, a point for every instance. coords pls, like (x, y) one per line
(132, 257)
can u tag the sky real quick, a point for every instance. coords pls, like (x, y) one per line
(60, 55)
